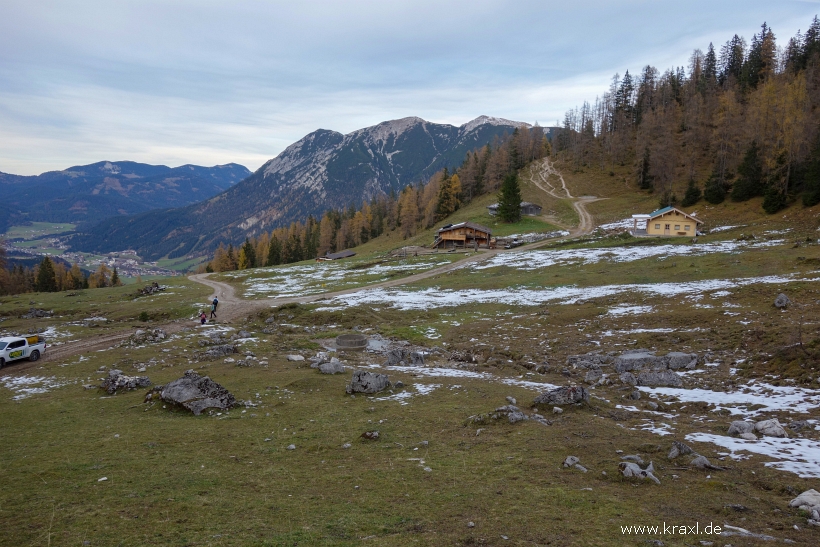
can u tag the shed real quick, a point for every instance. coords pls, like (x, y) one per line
(463, 234)
(347, 253)
(527, 208)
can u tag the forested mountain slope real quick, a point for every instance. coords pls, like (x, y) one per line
(89, 193)
(324, 170)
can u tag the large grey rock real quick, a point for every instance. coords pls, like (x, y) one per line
(782, 301)
(367, 382)
(219, 351)
(333, 367)
(566, 395)
(807, 501)
(629, 469)
(638, 361)
(738, 427)
(656, 378)
(512, 412)
(117, 381)
(677, 360)
(747, 436)
(770, 428)
(404, 356)
(197, 393)
(589, 360)
(151, 336)
(628, 378)
(571, 461)
(679, 449)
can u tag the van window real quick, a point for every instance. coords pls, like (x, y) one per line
(2, 346)
(17, 344)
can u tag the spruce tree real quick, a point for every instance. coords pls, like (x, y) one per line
(715, 190)
(750, 181)
(509, 199)
(692, 195)
(644, 178)
(250, 254)
(45, 281)
(274, 252)
(115, 279)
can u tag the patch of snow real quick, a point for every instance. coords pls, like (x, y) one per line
(535, 260)
(717, 229)
(26, 386)
(435, 297)
(625, 224)
(799, 456)
(630, 310)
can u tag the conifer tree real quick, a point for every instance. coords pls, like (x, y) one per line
(250, 255)
(45, 281)
(715, 191)
(115, 278)
(692, 195)
(750, 180)
(274, 251)
(509, 199)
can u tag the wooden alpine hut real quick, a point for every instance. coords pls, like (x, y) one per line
(462, 235)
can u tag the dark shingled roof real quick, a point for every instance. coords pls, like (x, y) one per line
(472, 225)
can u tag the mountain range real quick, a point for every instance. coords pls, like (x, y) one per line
(323, 170)
(86, 194)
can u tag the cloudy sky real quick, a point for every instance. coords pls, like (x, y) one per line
(211, 82)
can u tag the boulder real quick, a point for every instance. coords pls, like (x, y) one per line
(566, 395)
(782, 301)
(677, 360)
(628, 378)
(319, 359)
(151, 336)
(367, 382)
(701, 462)
(571, 461)
(807, 501)
(629, 469)
(798, 425)
(739, 427)
(679, 449)
(512, 413)
(747, 436)
(221, 350)
(404, 356)
(655, 378)
(295, 358)
(770, 428)
(638, 361)
(117, 381)
(333, 367)
(196, 393)
(589, 360)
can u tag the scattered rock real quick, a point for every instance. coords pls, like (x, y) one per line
(319, 359)
(770, 428)
(513, 414)
(291, 447)
(512, 400)
(679, 449)
(333, 367)
(589, 360)
(677, 360)
(782, 301)
(701, 462)
(798, 425)
(637, 360)
(471, 524)
(635, 395)
(748, 436)
(34, 313)
(398, 385)
(243, 334)
(117, 381)
(217, 351)
(150, 336)
(195, 393)
(370, 435)
(580, 468)
(652, 405)
(295, 358)
(629, 469)
(738, 427)
(562, 396)
(404, 356)
(367, 382)
(557, 410)
(346, 446)
(634, 458)
(808, 501)
(571, 461)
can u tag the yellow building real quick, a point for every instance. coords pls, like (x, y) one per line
(668, 221)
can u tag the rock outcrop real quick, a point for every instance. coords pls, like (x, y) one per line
(195, 393)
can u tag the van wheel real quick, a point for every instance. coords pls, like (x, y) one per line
(35, 355)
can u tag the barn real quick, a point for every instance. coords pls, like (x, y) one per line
(462, 235)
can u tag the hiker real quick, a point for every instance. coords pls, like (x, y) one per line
(202, 318)
(214, 304)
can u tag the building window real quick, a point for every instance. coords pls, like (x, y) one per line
(686, 227)
(677, 226)
(657, 226)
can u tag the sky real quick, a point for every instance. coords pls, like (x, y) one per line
(212, 82)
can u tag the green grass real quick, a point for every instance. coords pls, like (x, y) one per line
(181, 264)
(37, 230)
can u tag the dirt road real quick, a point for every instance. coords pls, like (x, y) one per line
(540, 176)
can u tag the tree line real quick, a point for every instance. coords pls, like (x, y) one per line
(416, 207)
(52, 276)
(738, 122)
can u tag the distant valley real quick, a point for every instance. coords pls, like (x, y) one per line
(86, 194)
